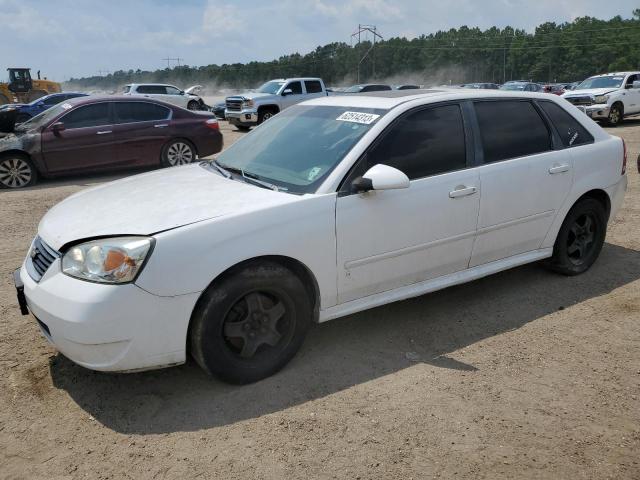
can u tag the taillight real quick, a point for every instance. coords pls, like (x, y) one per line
(212, 123)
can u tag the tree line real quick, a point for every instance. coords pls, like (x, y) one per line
(554, 52)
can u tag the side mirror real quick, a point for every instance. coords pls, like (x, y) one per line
(40, 104)
(57, 127)
(380, 177)
(635, 84)
(287, 91)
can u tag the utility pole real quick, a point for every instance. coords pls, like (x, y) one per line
(374, 31)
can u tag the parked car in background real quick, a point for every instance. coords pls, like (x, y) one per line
(91, 134)
(218, 110)
(406, 87)
(167, 93)
(24, 111)
(367, 87)
(253, 108)
(522, 87)
(481, 86)
(554, 88)
(334, 206)
(610, 97)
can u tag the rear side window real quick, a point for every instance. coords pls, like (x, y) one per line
(570, 130)
(88, 116)
(152, 89)
(510, 129)
(423, 143)
(128, 112)
(313, 86)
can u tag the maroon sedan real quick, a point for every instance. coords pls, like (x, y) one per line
(91, 134)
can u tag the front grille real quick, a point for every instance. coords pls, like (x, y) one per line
(41, 256)
(584, 101)
(234, 104)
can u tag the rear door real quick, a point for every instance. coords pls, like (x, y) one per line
(86, 143)
(313, 89)
(140, 130)
(524, 179)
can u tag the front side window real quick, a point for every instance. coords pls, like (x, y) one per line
(631, 79)
(172, 91)
(87, 116)
(54, 100)
(296, 87)
(298, 148)
(510, 129)
(423, 143)
(129, 112)
(570, 130)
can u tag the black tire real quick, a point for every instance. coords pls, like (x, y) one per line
(17, 171)
(243, 128)
(178, 152)
(251, 323)
(265, 114)
(616, 115)
(193, 105)
(580, 238)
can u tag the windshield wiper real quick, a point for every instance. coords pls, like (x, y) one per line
(251, 177)
(225, 173)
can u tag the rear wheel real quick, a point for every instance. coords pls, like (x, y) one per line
(17, 171)
(580, 238)
(250, 324)
(178, 152)
(243, 128)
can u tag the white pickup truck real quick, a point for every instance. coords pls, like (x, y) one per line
(253, 108)
(610, 97)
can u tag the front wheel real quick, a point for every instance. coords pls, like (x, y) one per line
(17, 171)
(615, 115)
(265, 115)
(178, 152)
(580, 238)
(249, 325)
(193, 105)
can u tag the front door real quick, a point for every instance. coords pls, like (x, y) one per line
(390, 239)
(632, 94)
(293, 97)
(523, 180)
(86, 142)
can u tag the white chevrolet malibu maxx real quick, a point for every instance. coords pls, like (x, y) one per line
(331, 207)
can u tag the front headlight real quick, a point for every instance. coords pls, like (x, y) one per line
(601, 99)
(110, 260)
(248, 104)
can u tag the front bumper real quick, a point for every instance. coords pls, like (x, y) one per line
(243, 117)
(108, 327)
(597, 111)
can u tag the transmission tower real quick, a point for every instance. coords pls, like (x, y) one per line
(169, 60)
(373, 30)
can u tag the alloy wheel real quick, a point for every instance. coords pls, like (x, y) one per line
(179, 153)
(15, 172)
(581, 239)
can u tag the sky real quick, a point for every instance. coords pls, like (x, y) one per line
(76, 38)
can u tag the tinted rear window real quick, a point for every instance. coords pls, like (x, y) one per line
(570, 130)
(152, 89)
(510, 129)
(127, 112)
(313, 86)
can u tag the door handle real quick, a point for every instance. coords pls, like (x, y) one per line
(462, 191)
(162, 125)
(103, 132)
(559, 169)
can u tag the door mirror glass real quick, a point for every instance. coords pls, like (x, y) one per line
(381, 177)
(287, 91)
(57, 127)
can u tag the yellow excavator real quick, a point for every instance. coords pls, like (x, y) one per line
(23, 89)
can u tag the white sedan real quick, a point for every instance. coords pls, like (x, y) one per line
(334, 206)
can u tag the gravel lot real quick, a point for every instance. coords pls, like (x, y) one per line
(525, 374)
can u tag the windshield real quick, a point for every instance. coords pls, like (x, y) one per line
(298, 148)
(513, 86)
(270, 87)
(610, 81)
(43, 118)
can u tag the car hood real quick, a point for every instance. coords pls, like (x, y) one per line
(253, 95)
(589, 91)
(194, 90)
(152, 202)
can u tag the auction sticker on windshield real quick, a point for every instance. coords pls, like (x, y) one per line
(358, 117)
(67, 106)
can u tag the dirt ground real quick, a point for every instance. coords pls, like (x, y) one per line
(525, 374)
